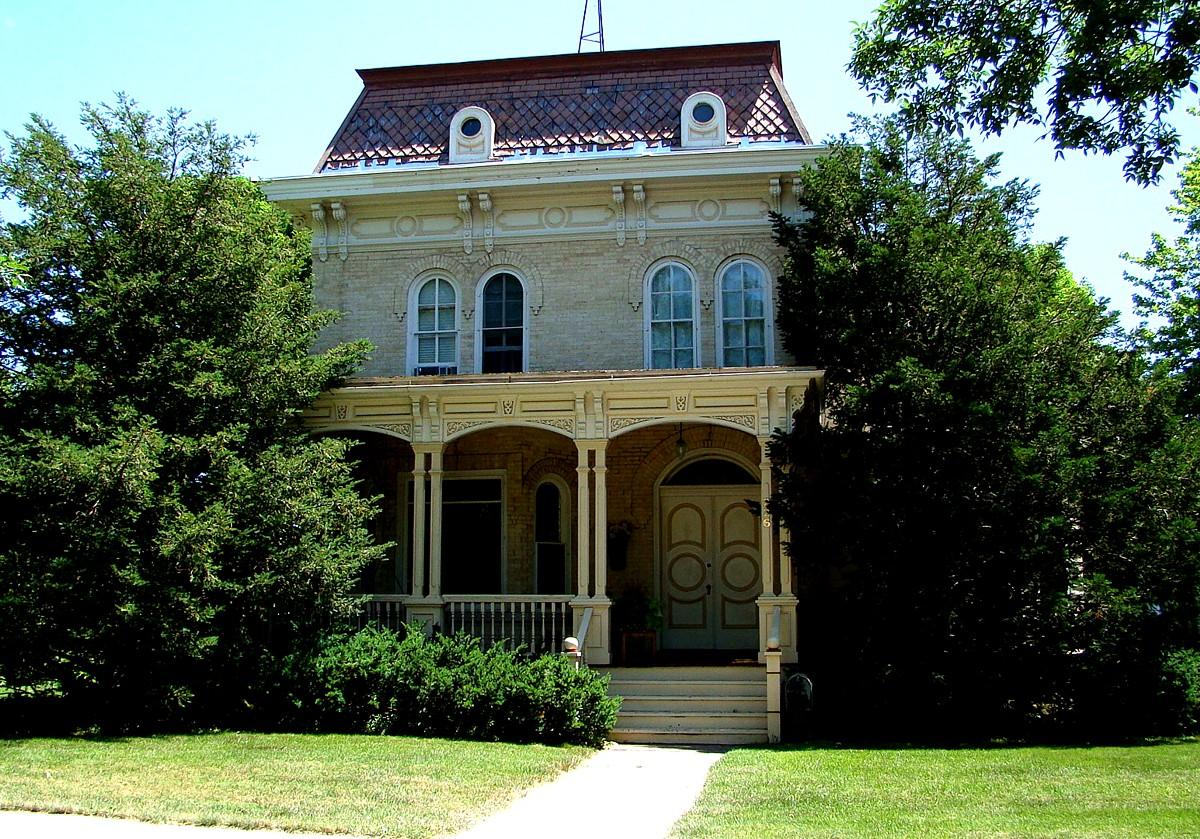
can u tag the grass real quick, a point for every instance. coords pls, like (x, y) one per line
(1151, 790)
(378, 786)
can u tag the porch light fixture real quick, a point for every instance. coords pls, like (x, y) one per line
(680, 443)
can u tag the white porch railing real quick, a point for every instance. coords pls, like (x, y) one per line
(539, 622)
(386, 611)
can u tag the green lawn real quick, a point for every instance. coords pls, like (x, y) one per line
(387, 786)
(795, 792)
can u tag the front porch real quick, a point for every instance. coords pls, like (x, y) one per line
(511, 545)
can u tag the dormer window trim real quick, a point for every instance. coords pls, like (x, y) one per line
(702, 121)
(472, 135)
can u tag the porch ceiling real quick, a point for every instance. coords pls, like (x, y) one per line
(584, 405)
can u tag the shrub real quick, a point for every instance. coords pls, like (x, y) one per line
(381, 682)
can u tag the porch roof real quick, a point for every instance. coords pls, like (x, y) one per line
(582, 405)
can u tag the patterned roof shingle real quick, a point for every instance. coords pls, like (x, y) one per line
(582, 102)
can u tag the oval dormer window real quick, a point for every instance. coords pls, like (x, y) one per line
(702, 121)
(472, 135)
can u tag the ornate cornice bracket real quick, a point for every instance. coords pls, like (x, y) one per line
(619, 201)
(320, 232)
(639, 198)
(775, 194)
(468, 231)
(489, 221)
(339, 215)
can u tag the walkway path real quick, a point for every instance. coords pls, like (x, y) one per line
(622, 792)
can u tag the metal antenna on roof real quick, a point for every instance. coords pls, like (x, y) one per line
(596, 37)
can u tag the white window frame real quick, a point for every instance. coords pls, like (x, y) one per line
(648, 307)
(703, 135)
(768, 308)
(464, 149)
(414, 292)
(565, 509)
(479, 315)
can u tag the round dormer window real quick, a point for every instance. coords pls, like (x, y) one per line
(472, 126)
(703, 113)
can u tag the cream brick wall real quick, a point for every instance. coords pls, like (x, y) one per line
(584, 287)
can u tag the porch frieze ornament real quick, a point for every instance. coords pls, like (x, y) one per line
(639, 198)
(464, 207)
(321, 231)
(681, 402)
(775, 194)
(341, 411)
(402, 428)
(564, 424)
(489, 221)
(339, 215)
(619, 199)
(748, 420)
(455, 426)
(617, 423)
(508, 405)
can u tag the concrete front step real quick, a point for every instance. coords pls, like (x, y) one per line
(699, 737)
(694, 704)
(701, 705)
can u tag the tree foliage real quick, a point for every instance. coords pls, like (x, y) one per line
(1109, 73)
(994, 481)
(1170, 301)
(171, 541)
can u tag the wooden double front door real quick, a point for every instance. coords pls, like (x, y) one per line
(711, 567)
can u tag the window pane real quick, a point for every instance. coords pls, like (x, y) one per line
(493, 311)
(731, 304)
(755, 334)
(660, 307)
(661, 281)
(681, 306)
(683, 358)
(425, 319)
(660, 336)
(756, 357)
(512, 311)
(734, 335)
(428, 293)
(754, 303)
(547, 515)
(446, 349)
(660, 359)
(426, 349)
(735, 357)
(493, 292)
(445, 293)
(445, 318)
(683, 335)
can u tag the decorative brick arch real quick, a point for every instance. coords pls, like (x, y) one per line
(767, 255)
(522, 265)
(417, 271)
(699, 261)
(559, 467)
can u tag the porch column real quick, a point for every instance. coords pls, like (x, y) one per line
(772, 555)
(601, 546)
(425, 607)
(435, 522)
(418, 534)
(768, 532)
(583, 509)
(596, 644)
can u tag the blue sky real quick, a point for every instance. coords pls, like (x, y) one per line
(285, 72)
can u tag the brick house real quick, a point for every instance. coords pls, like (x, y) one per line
(566, 267)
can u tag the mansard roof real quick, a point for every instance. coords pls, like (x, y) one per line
(564, 103)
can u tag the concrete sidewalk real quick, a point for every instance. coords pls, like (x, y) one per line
(19, 824)
(622, 792)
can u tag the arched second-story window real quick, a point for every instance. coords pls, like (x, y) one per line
(502, 325)
(744, 336)
(671, 318)
(433, 347)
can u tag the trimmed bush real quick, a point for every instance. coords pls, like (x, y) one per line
(380, 682)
